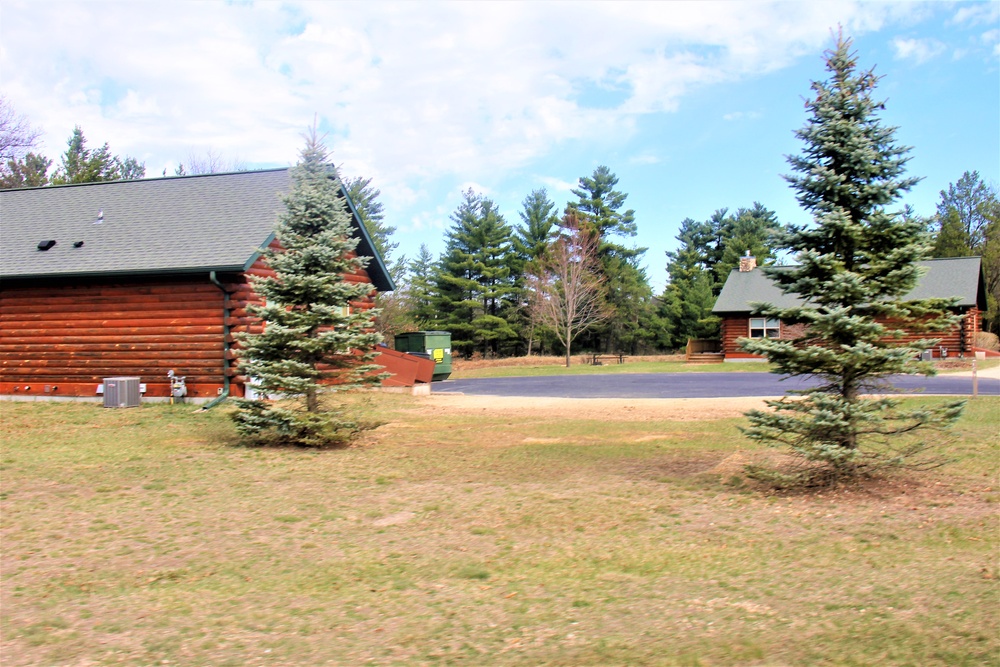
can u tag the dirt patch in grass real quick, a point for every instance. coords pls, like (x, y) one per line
(606, 409)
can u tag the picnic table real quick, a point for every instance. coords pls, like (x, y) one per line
(599, 359)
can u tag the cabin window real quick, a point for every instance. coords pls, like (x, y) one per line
(761, 327)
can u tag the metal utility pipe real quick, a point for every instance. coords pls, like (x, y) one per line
(225, 345)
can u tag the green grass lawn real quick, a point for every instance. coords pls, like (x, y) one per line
(478, 537)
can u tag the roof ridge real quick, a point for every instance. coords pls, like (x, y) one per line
(61, 186)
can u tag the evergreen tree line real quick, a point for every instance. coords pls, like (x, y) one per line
(79, 164)
(478, 288)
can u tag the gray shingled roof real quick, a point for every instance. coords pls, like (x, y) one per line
(211, 222)
(957, 277)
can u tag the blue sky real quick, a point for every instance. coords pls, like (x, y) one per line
(692, 105)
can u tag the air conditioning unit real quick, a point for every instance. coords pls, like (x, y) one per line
(121, 392)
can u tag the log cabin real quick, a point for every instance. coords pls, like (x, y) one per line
(959, 278)
(139, 278)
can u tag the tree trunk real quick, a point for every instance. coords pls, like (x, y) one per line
(850, 394)
(569, 341)
(312, 394)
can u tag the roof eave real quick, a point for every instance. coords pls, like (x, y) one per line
(227, 268)
(382, 281)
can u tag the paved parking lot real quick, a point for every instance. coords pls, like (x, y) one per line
(690, 385)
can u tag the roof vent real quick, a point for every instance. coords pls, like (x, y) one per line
(78, 244)
(45, 245)
(100, 217)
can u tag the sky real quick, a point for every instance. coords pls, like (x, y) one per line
(693, 105)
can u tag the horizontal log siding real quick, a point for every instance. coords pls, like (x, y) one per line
(733, 328)
(68, 336)
(73, 334)
(242, 294)
(958, 339)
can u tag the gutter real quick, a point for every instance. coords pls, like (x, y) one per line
(225, 346)
(179, 271)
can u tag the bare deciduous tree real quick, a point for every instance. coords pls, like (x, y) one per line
(17, 136)
(566, 289)
(210, 163)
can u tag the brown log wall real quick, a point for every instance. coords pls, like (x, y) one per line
(958, 340)
(63, 337)
(242, 294)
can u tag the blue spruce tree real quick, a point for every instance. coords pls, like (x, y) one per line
(855, 264)
(313, 342)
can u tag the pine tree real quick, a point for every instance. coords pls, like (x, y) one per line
(475, 285)
(84, 165)
(393, 317)
(856, 263)
(976, 205)
(499, 275)
(372, 212)
(31, 171)
(313, 342)
(600, 202)
(600, 206)
(422, 289)
(686, 304)
(457, 289)
(952, 239)
(750, 231)
(538, 220)
(531, 243)
(706, 254)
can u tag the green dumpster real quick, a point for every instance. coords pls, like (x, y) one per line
(434, 344)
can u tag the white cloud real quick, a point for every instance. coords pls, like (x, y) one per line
(918, 50)
(419, 96)
(645, 158)
(410, 90)
(555, 185)
(976, 13)
(991, 39)
(426, 222)
(741, 115)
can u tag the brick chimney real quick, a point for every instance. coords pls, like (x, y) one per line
(748, 263)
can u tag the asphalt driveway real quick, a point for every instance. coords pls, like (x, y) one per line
(688, 385)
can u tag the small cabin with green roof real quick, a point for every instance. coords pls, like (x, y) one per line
(959, 278)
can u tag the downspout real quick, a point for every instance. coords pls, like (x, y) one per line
(225, 345)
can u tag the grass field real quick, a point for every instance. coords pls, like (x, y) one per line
(537, 366)
(581, 365)
(478, 537)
